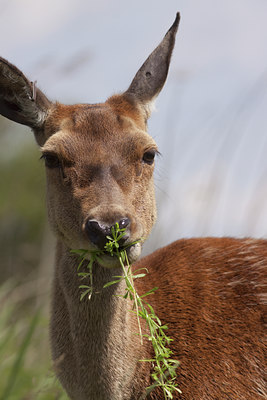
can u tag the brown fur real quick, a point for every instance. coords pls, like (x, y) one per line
(211, 291)
(212, 295)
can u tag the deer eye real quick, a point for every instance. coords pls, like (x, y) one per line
(51, 160)
(149, 156)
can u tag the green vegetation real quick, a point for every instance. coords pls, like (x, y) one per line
(164, 368)
(25, 369)
(22, 209)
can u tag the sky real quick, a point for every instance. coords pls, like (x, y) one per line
(210, 121)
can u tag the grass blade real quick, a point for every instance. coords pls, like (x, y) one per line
(20, 358)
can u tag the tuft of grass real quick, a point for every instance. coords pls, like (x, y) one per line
(163, 366)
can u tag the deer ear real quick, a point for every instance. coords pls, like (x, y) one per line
(20, 100)
(151, 77)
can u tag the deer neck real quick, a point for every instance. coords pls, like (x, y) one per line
(103, 349)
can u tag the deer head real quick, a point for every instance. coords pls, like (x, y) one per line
(99, 158)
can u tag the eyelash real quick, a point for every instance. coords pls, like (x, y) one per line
(51, 160)
(149, 156)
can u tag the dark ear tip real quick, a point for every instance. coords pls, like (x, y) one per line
(174, 27)
(177, 18)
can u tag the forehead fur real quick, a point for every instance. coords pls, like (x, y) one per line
(118, 108)
(90, 126)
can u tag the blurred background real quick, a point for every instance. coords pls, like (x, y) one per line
(210, 125)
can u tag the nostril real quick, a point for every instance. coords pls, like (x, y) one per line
(97, 232)
(123, 223)
(95, 226)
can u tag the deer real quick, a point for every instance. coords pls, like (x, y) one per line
(99, 161)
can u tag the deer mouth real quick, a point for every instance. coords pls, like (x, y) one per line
(113, 244)
(123, 254)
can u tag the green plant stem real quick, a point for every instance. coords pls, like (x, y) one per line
(135, 295)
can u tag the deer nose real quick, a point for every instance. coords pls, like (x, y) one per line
(97, 232)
